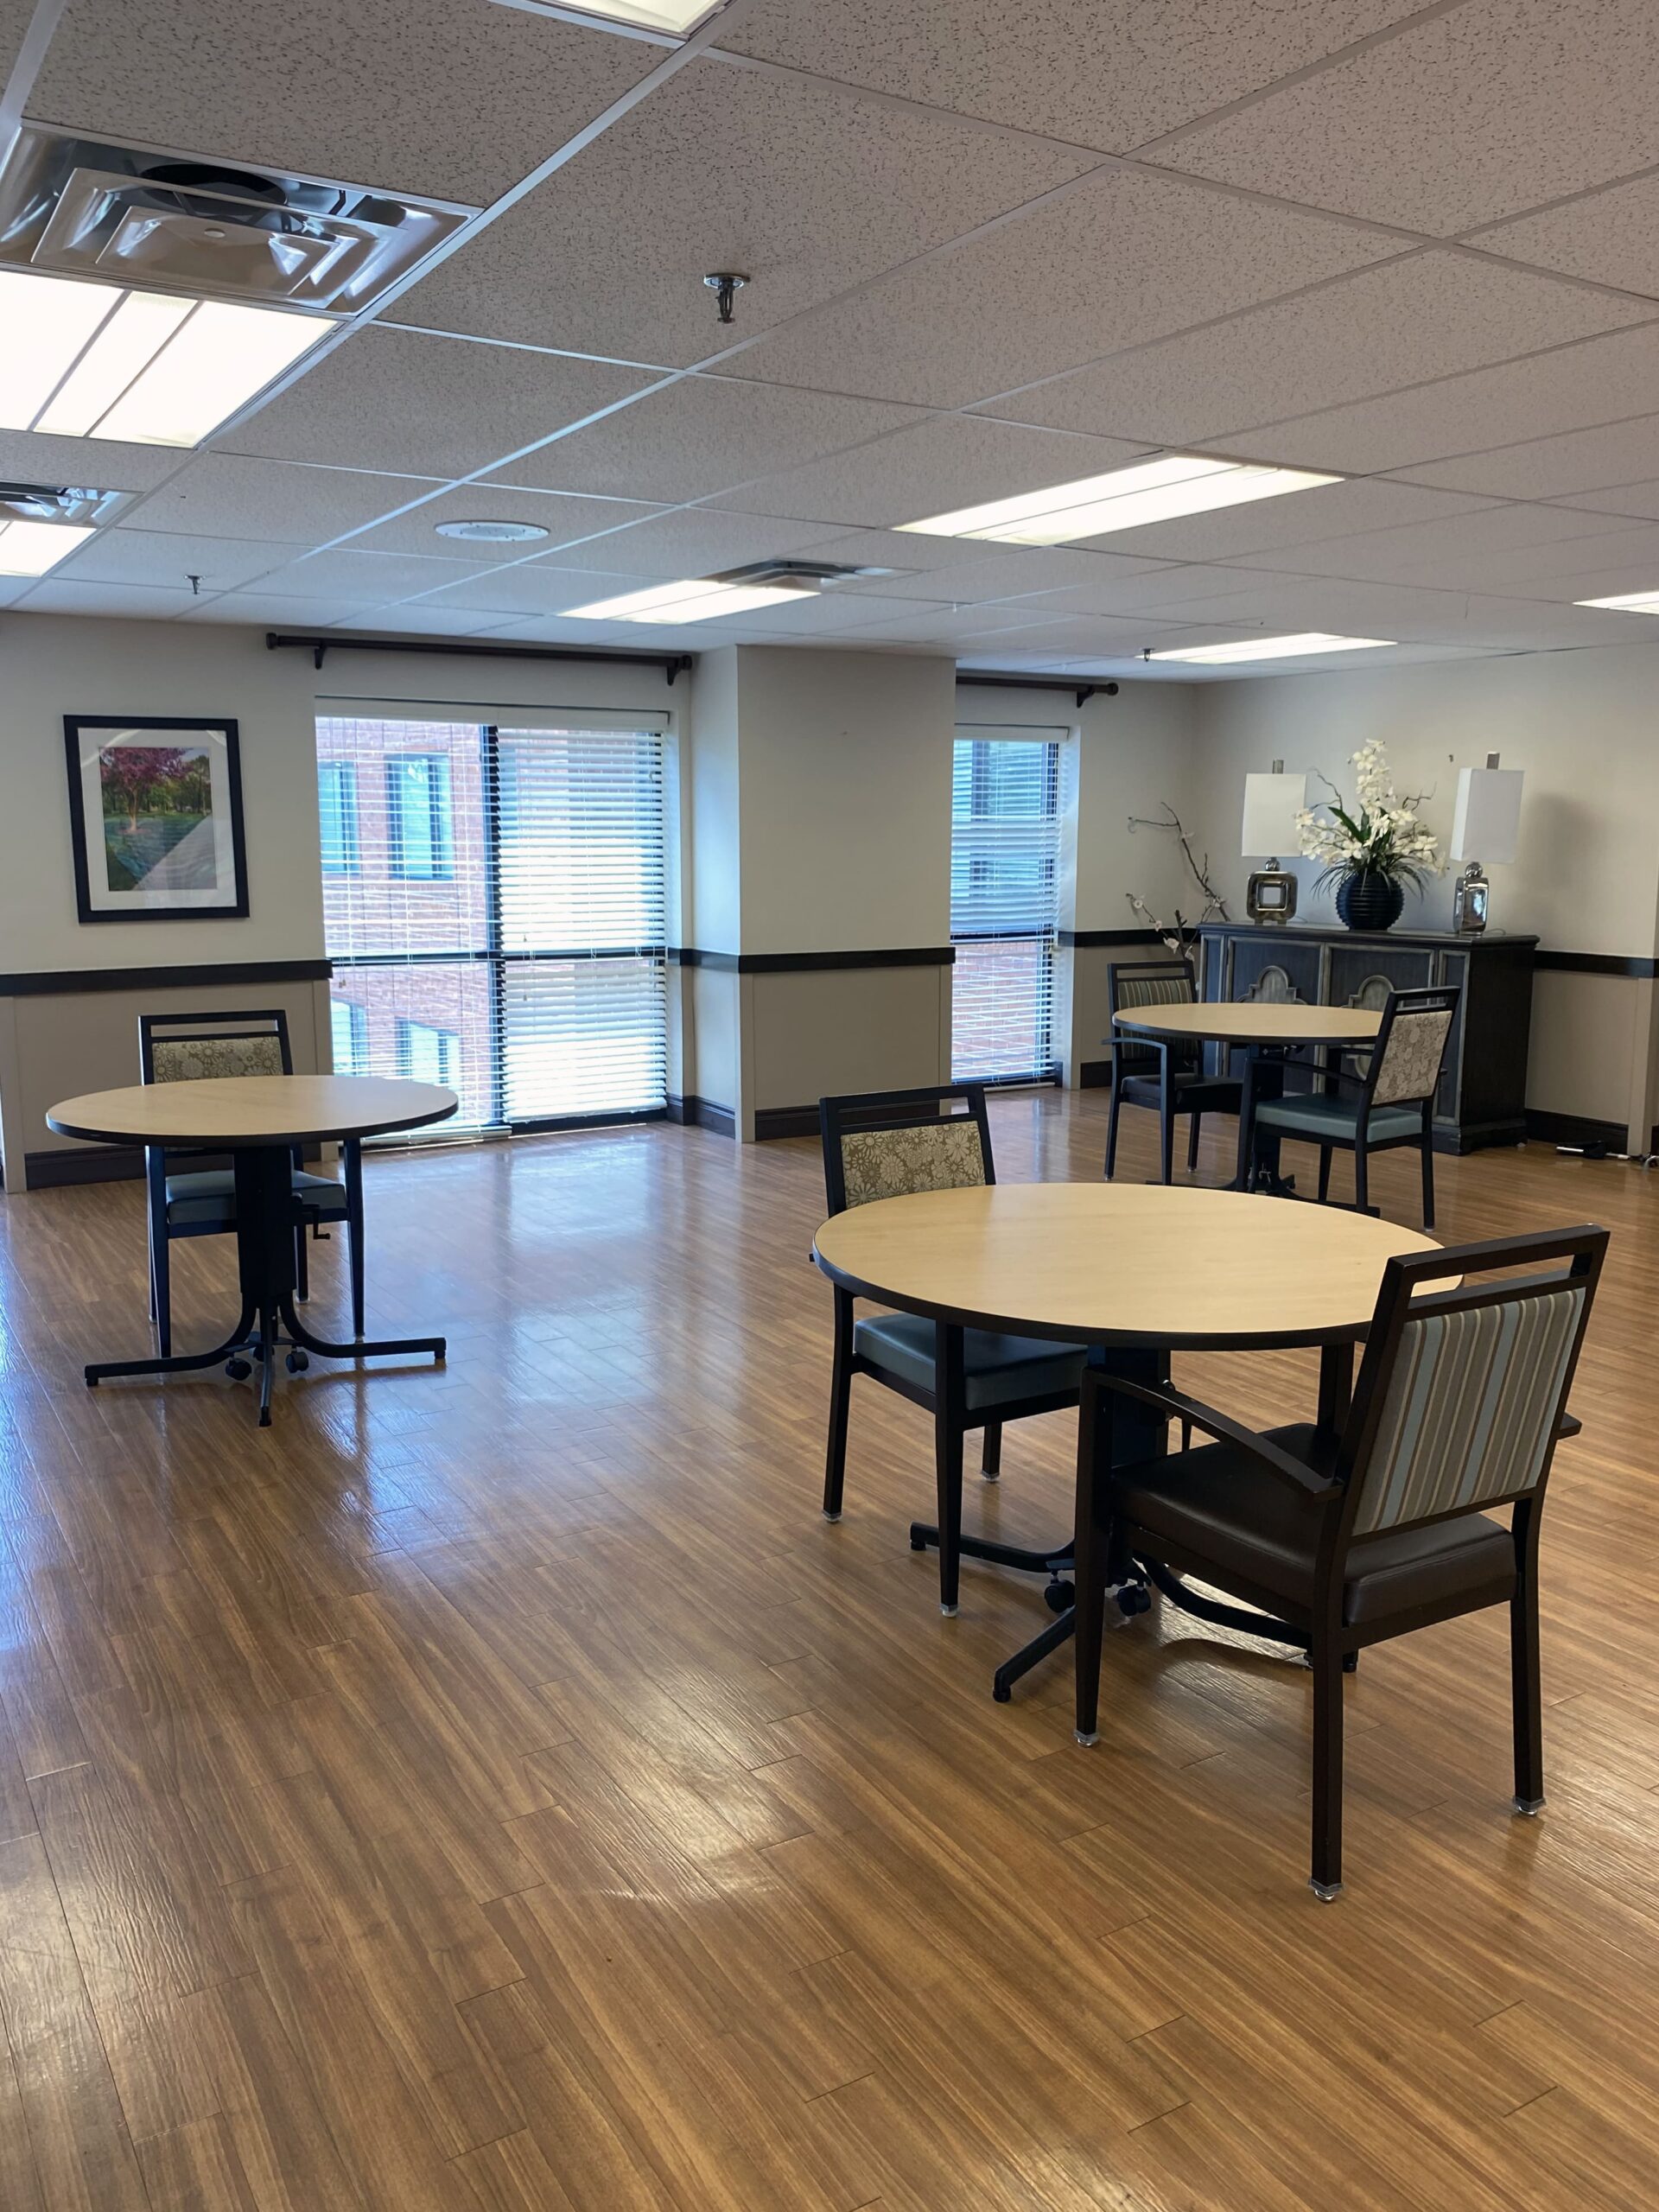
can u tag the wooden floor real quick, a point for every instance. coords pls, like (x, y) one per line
(499, 1787)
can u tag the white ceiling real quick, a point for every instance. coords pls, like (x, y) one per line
(991, 248)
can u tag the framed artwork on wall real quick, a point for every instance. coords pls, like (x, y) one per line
(155, 815)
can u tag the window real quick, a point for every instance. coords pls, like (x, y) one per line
(350, 1025)
(419, 845)
(1005, 852)
(337, 806)
(428, 1055)
(528, 972)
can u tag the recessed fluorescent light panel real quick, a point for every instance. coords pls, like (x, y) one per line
(1302, 645)
(30, 549)
(698, 599)
(677, 18)
(1124, 499)
(1627, 602)
(93, 361)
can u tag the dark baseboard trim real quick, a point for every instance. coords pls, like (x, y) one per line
(1087, 939)
(771, 1121)
(114, 1163)
(1094, 1075)
(1574, 1129)
(1600, 964)
(197, 976)
(806, 963)
(695, 1113)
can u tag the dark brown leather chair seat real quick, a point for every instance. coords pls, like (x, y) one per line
(1220, 1503)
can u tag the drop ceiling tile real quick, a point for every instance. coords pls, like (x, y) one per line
(14, 17)
(1401, 613)
(1574, 464)
(533, 587)
(1601, 569)
(1612, 238)
(1111, 73)
(1003, 309)
(702, 436)
(1491, 108)
(947, 463)
(1166, 585)
(1641, 500)
(563, 518)
(900, 549)
(1094, 636)
(942, 626)
(362, 579)
(824, 615)
(116, 601)
(1472, 551)
(260, 608)
(458, 101)
(219, 495)
(1575, 387)
(1420, 316)
(1299, 518)
(165, 560)
(393, 399)
(1012, 573)
(690, 542)
(430, 618)
(28, 458)
(805, 190)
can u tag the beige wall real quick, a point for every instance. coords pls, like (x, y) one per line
(1586, 875)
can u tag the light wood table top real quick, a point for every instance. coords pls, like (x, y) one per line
(1120, 1264)
(229, 1112)
(1256, 1022)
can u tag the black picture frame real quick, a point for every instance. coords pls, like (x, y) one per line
(233, 906)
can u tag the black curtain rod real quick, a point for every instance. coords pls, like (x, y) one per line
(1079, 691)
(276, 640)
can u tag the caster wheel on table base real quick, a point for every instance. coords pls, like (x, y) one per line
(1059, 1597)
(1134, 1598)
(297, 1363)
(239, 1369)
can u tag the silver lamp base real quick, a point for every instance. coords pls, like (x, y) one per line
(1270, 896)
(1471, 900)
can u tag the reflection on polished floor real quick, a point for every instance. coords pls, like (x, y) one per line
(498, 1785)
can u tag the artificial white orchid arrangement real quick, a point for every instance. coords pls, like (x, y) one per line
(1383, 837)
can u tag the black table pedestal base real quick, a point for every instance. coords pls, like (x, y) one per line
(268, 1324)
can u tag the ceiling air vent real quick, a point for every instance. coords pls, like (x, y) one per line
(56, 503)
(805, 575)
(175, 223)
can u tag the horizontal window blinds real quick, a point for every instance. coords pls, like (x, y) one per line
(1005, 853)
(495, 906)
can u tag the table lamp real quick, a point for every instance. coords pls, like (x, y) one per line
(1485, 828)
(1272, 804)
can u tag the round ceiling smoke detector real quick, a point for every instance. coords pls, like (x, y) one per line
(492, 533)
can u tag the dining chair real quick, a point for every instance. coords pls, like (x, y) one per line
(1169, 1078)
(182, 1047)
(893, 1144)
(1348, 1536)
(1392, 1095)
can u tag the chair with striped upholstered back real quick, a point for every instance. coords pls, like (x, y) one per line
(1345, 1539)
(899, 1144)
(1168, 1078)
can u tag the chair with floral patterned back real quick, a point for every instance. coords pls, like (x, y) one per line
(1171, 1078)
(894, 1144)
(194, 1047)
(1391, 1099)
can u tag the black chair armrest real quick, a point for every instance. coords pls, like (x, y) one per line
(1225, 1430)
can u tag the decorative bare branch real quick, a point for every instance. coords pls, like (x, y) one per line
(1183, 935)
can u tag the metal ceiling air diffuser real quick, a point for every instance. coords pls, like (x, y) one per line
(56, 503)
(174, 222)
(804, 576)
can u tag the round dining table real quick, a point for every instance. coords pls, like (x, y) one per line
(1136, 1272)
(260, 1121)
(1268, 1031)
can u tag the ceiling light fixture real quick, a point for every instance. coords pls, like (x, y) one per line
(492, 533)
(694, 598)
(678, 18)
(1303, 644)
(30, 549)
(1626, 602)
(93, 361)
(1124, 499)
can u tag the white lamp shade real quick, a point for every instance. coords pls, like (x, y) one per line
(1488, 820)
(1271, 806)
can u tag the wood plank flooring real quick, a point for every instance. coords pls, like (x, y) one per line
(496, 1787)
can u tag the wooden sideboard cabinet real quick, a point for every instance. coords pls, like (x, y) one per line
(1482, 1098)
